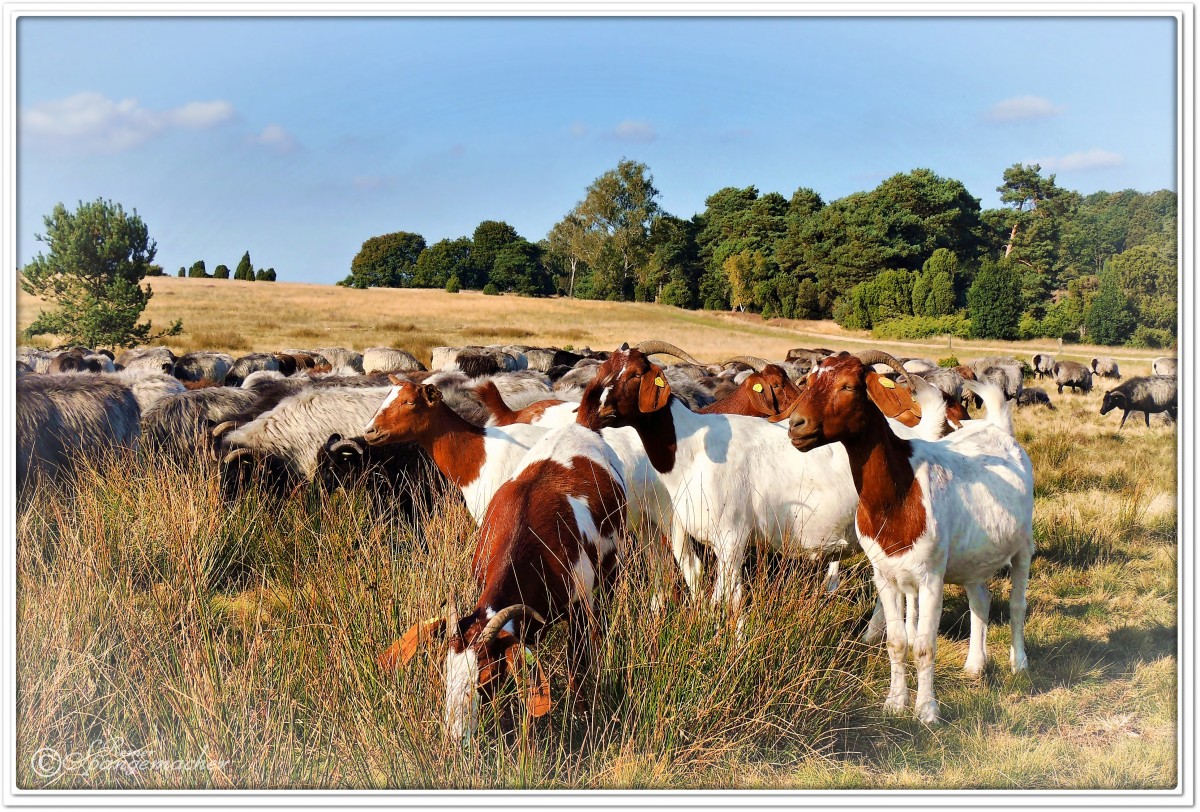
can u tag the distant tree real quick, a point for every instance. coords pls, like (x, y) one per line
(1109, 318)
(570, 244)
(92, 273)
(488, 239)
(245, 270)
(1148, 276)
(386, 261)
(221, 272)
(617, 211)
(154, 270)
(807, 304)
(182, 271)
(197, 271)
(453, 285)
(265, 275)
(517, 267)
(994, 301)
(442, 260)
(490, 290)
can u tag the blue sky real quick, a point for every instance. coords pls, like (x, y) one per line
(297, 139)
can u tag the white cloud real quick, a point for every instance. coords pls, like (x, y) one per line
(92, 122)
(637, 131)
(1089, 159)
(275, 137)
(1022, 108)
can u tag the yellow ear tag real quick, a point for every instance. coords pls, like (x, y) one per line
(887, 383)
(660, 383)
(757, 387)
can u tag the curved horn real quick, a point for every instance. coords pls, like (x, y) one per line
(342, 446)
(502, 617)
(653, 347)
(869, 357)
(221, 428)
(752, 361)
(237, 456)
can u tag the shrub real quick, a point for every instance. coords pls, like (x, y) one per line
(491, 290)
(949, 362)
(1151, 338)
(1109, 319)
(453, 285)
(924, 327)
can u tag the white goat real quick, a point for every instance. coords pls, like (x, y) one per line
(955, 510)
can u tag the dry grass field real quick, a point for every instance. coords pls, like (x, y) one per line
(155, 618)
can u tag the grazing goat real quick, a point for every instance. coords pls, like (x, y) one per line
(387, 360)
(954, 510)
(1105, 367)
(1163, 365)
(203, 366)
(1155, 394)
(547, 544)
(1072, 374)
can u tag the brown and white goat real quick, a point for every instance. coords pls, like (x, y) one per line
(547, 544)
(765, 392)
(930, 512)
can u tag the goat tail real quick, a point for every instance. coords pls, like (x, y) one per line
(999, 411)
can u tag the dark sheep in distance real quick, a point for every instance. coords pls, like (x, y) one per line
(1032, 396)
(254, 362)
(1072, 374)
(1154, 394)
(203, 366)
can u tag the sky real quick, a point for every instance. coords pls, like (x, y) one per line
(296, 139)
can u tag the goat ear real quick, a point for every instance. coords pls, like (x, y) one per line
(894, 401)
(537, 692)
(431, 393)
(761, 396)
(786, 413)
(400, 652)
(655, 391)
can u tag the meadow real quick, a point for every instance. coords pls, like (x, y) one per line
(156, 618)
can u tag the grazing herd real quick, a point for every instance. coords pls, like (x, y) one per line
(557, 453)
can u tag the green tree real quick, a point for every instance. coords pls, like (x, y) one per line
(994, 301)
(198, 271)
(386, 261)
(489, 238)
(617, 212)
(245, 271)
(442, 260)
(92, 273)
(1148, 276)
(940, 301)
(265, 275)
(518, 268)
(453, 285)
(1109, 318)
(807, 303)
(221, 272)
(182, 272)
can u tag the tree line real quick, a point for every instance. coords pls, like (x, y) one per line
(916, 256)
(245, 271)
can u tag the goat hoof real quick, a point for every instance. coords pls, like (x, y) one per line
(895, 705)
(928, 712)
(872, 635)
(974, 670)
(1020, 665)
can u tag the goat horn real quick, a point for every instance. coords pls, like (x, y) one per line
(502, 617)
(753, 361)
(221, 428)
(869, 357)
(653, 347)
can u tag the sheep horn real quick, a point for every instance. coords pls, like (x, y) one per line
(502, 617)
(653, 347)
(869, 357)
(752, 361)
(221, 428)
(238, 455)
(342, 446)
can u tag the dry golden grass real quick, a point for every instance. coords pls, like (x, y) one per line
(240, 317)
(244, 633)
